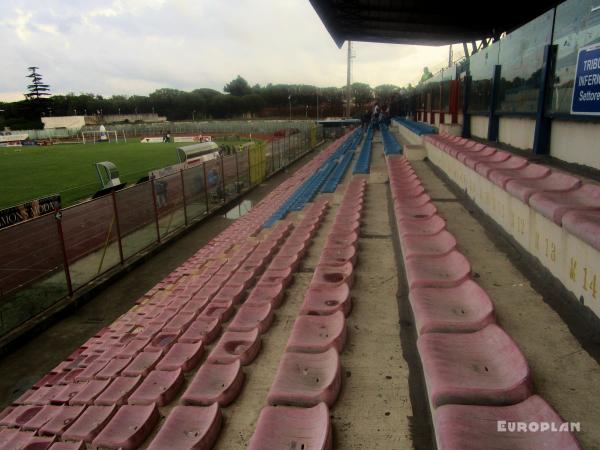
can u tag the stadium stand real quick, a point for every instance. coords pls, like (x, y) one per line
(107, 392)
(391, 146)
(363, 161)
(418, 128)
(172, 370)
(473, 370)
(549, 212)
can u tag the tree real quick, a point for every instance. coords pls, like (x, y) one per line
(426, 75)
(37, 89)
(362, 94)
(385, 93)
(238, 87)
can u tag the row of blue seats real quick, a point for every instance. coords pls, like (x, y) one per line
(418, 128)
(390, 145)
(307, 191)
(340, 170)
(363, 162)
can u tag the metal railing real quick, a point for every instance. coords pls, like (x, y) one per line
(49, 258)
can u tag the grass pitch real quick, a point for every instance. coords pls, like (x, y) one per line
(32, 172)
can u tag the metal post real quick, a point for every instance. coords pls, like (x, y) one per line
(237, 173)
(493, 119)
(223, 179)
(185, 216)
(116, 212)
(61, 236)
(206, 188)
(155, 211)
(442, 116)
(543, 124)
(466, 128)
(249, 169)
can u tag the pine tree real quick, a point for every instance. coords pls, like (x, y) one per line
(37, 89)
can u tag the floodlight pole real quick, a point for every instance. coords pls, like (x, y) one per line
(317, 105)
(348, 78)
(290, 101)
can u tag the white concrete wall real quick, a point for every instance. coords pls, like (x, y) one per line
(479, 126)
(63, 122)
(576, 142)
(517, 132)
(575, 263)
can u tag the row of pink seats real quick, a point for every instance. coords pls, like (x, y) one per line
(467, 359)
(556, 195)
(93, 403)
(114, 383)
(219, 380)
(308, 379)
(107, 393)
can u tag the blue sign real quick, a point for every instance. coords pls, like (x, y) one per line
(586, 89)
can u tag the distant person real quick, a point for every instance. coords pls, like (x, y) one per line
(385, 115)
(167, 137)
(375, 116)
(365, 119)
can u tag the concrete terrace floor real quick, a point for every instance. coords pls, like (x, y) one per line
(382, 404)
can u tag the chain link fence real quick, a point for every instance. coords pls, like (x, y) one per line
(52, 257)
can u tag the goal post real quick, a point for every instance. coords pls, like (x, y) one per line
(99, 136)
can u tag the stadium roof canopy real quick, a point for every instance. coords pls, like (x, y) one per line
(424, 22)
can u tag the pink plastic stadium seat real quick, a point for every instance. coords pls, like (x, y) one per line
(474, 161)
(468, 427)
(287, 427)
(513, 162)
(42, 417)
(92, 389)
(332, 276)
(325, 300)
(585, 225)
(118, 391)
(482, 154)
(427, 227)
(306, 379)
(420, 213)
(113, 368)
(189, 428)
(141, 364)
(250, 316)
(266, 293)
(27, 441)
(461, 309)
(481, 368)
(128, 428)
(555, 182)
(202, 329)
(215, 383)
(68, 446)
(341, 239)
(529, 172)
(437, 271)
(159, 387)
(184, 356)
(316, 334)
(554, 205)
(60, 421)
(338, 256)
(435, 245)
(90, 423)
(413, 202)
(472, 150)
(236, 345)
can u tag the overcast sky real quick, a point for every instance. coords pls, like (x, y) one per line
(136, 46)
